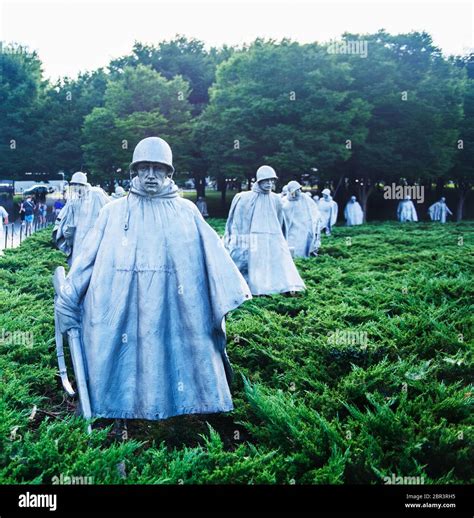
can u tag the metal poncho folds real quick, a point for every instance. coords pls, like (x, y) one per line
(149, 292)
(353, 212)
(303, 222)
(256, 239)
(439, 211)
(328, 210)
(76, 220)
(406, 211)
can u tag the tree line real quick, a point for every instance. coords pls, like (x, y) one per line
(321, 113)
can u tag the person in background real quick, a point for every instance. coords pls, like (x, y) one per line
(58, 205)
(29, 209)
(3, 221)
(21, 212)
(42, 211)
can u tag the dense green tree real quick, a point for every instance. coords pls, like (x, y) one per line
(186, 57)
(401, 113)
(22, 91)
(284, 104)
(462, 172)
(416, 107)
(67, 104)
(138, 104)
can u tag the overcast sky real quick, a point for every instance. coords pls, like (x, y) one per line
(73, 36)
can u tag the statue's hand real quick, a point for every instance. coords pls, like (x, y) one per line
(67, 322)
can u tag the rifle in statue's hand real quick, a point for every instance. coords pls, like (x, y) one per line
(75, 346)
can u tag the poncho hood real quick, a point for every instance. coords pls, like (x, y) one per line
(168, 190)
(256, 188)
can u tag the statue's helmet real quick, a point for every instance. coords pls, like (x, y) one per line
(119, 190)
(153, 149)
(293, 186)
(78, 178)
(353, 198)
(326, 191)
(265, 172)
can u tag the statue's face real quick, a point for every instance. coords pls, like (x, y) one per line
(326, 197)
(296, 194)
(78, 190)
(152, 176)
(267, 185)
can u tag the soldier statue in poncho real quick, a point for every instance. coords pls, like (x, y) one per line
(78, 216)
(303, 222)
(439, 211)
(328, 210)
(353, 213)
(255, 236)
(149, 293)
(406, 210)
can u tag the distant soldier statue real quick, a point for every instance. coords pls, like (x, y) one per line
(76, 219)
(439, 211)
(328, 209)
(119, 192)
(303, 222)
(353, 212)
(255, 236)
(406, 210)
(202, 206)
